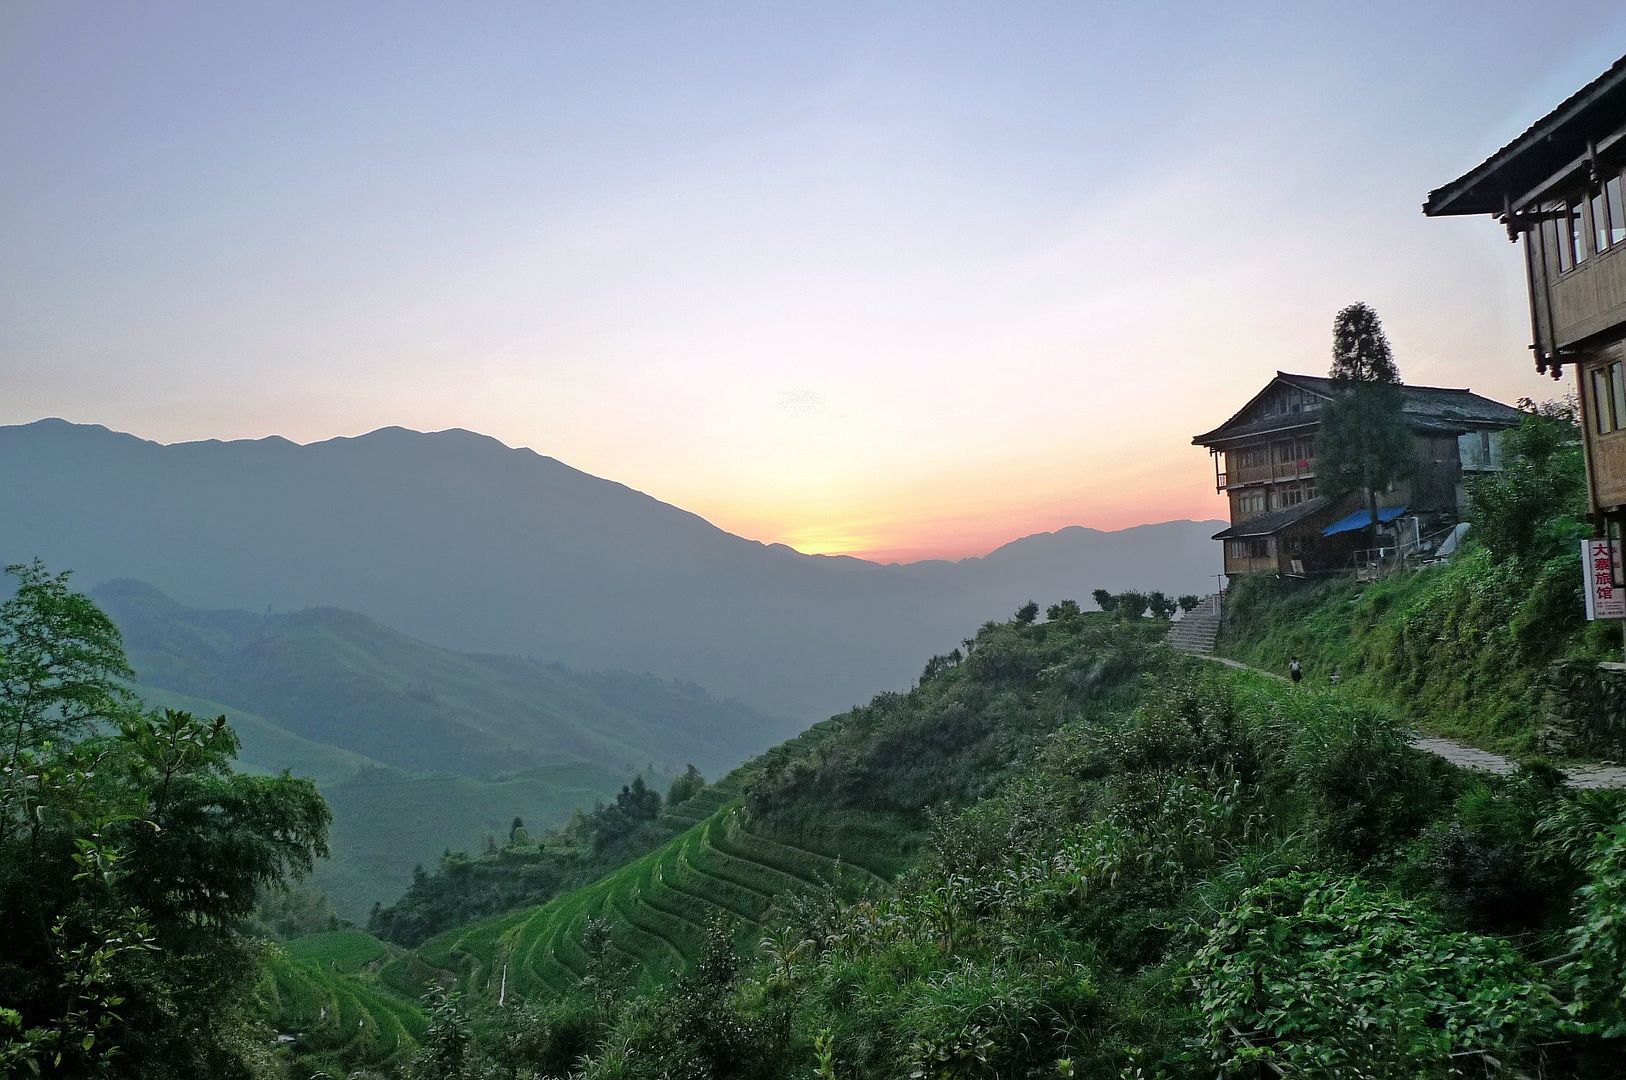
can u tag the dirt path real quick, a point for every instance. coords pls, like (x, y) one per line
(1581, 776)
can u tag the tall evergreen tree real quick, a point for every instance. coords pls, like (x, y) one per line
(1365, 443)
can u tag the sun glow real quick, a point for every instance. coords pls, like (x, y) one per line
(819, 543)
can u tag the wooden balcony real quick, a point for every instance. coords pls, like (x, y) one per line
(1589, 299)
(1272, 473)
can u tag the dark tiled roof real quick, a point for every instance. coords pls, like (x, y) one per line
(1429, 408)
(1273, 522)
(1544, 147)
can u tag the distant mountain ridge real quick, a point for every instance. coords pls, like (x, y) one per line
(341, 679)
(456, 539)
(417, 748)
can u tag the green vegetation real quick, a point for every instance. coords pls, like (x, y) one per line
(340, 679)
(330, 1014)
(385, 821)
(528, 870)
(354, 706)
(131, 859)
(1101, 859)
(1461, 648)
(1364, 443)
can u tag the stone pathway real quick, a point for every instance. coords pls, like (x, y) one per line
(1581, 776)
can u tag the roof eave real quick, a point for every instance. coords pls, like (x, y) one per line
(1456, 199)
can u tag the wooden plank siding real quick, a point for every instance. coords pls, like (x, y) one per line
(1589, 299)
(1606, 453)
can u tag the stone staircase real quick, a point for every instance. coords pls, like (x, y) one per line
(1197, 630)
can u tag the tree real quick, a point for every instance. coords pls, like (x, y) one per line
(1188, 602)
(448, 1045)
(685, 787)
(1104, 599)
(131, 858)
(61, 666)
(1160, 605)
(1130, 604)
(1027, 613)
(1535, 508)
(1066, 611)
(1360, 348)
(638, 801)
(1365, 444)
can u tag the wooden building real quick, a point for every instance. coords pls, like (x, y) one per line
(1561, 187)
(1283, 523)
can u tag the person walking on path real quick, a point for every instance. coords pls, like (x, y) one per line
(1295, 670)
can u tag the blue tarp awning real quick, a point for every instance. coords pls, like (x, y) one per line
(1360, 519)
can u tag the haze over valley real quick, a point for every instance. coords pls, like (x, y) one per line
(453, 538)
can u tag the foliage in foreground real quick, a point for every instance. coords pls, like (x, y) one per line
(131, 856)
(1228, 872)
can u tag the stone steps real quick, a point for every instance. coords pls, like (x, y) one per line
(1198, 629)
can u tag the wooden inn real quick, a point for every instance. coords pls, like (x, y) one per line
(1282, 522)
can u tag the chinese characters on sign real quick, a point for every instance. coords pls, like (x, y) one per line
(1605, 597)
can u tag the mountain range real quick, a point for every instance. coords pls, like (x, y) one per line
(458, 540)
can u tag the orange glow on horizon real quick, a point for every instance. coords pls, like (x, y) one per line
(903, 535)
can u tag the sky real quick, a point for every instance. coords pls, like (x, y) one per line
(893, 280)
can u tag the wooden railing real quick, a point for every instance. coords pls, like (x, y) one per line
(1269, 472)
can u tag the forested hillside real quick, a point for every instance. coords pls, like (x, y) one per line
(419, 750)
(1072, 853)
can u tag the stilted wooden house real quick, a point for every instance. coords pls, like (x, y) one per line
(1561, 188)
(1283, 523)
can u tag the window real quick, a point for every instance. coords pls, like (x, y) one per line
(1617, 388)
(1600, 223)
(1250, 549)
(1615, 200)
(1552, 250)
(1250, 502)
(1576, 240)
(1604, 419)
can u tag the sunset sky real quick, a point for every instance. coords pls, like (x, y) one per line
(897, 280)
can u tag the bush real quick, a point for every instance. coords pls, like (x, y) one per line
(1336, 977)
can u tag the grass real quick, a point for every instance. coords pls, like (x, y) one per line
(1459, 650)
(385, 822)
(347, 951)
(658, 907)
(323, 991)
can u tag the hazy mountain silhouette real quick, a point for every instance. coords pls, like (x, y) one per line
(454, 538)
(339, 678)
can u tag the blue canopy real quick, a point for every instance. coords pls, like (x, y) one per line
(1360, 519)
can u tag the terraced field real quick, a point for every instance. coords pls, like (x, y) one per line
(323, 998)
(657, 907)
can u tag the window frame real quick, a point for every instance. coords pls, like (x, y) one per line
(1604, 419)
(1615, 385)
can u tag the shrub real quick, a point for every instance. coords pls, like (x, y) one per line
(1336, 977)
